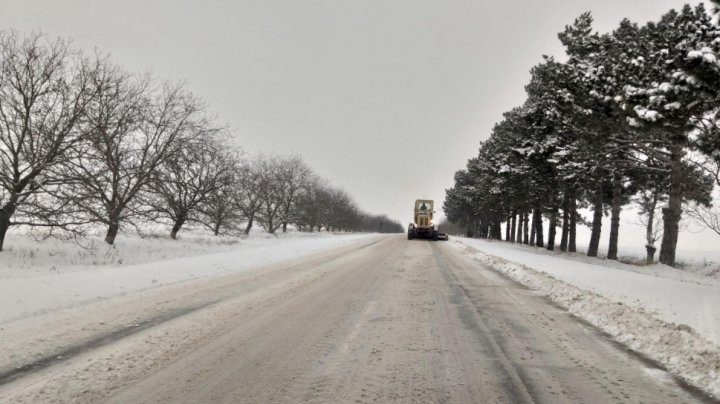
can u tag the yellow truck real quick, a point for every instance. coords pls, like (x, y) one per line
(423, 226)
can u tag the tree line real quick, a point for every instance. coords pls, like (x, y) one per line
(629, 117)
(83, 143)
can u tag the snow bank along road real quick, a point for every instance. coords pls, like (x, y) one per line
(380, 320)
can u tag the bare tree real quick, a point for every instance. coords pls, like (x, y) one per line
(342, 213)
(312, 204)
(136, 128)
(219, 211)
(183, 183)
(649, 200)
(44, 91)
(708, 216)
(270, 190)
(293, 174)
(248, 200)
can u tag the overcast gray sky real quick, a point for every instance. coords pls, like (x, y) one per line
(385, 98)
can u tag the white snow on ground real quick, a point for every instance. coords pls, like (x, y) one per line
(672, 319)
(61, 274)
(690, 299)
(25, 255)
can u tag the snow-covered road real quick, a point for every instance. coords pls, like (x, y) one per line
(41, 293)
(667, 315)
(377, 320)
(693, 301)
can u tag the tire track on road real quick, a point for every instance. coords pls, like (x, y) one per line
(471, 316)
(95, 342)
(164, 306)
(556, 355)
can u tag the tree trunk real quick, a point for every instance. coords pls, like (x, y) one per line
(597, 222)
(496, 230)
(176, 228)
(4, 225)
(649, 235)
(507, 228)
(270, 225)
(533, 228)
(112, 232)
(572, 231)
(673, 212)
(249, 225)
(650, 251)
(513, 224)
(216, 230)
(6, 213)
(552, 229)
(616, 206)
(537, 216)
(565, 225)
(518, 236)
(526, 219)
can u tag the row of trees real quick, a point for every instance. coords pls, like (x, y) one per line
(83, 142)
(275, 192)
(629, 117)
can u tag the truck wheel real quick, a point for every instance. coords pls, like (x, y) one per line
(435, 236)
(410, 235)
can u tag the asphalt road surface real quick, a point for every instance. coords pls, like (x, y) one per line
(383, 321)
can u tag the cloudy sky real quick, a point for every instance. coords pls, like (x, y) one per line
(386, 98)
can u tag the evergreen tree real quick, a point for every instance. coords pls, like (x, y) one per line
(665, 100)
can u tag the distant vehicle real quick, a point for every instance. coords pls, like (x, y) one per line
(423, 226)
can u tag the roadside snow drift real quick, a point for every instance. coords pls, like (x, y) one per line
(672, 321)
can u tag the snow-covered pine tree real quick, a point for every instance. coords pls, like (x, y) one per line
(664, 99)
(591, 80)
(458, 205)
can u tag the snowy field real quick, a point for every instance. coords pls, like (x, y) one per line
(38, 277)
(29, 255)
(670, 315)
